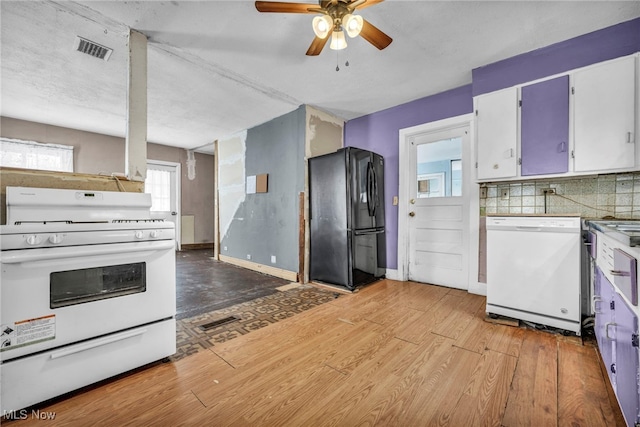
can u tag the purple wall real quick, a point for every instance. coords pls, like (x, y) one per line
(602, 45)
(379, 131)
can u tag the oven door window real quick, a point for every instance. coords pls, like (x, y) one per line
(93, 284)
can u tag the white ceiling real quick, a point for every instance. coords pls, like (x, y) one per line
(219, 67)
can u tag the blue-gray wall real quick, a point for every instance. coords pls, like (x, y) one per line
(267, 224)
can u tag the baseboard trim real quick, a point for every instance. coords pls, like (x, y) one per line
(478, 288)
(191, 246)
(393, 274)
(271, 271)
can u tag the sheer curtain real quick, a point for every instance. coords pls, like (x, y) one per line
(158, 184)
(16, 153)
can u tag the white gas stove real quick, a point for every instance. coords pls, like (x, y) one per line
(87, 291)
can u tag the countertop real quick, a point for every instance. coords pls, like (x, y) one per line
(535, 215)
(626, 231)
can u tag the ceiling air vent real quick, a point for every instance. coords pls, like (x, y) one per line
(92, 48)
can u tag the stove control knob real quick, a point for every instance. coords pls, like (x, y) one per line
(154, 234)
(56, 238)
(139, 234)
(33, 240)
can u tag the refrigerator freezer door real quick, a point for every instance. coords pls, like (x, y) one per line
(369, 251)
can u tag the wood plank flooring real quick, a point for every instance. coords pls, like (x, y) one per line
(392, 354)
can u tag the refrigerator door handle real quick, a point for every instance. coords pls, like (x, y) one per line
(375, 192)
(369, 188)
(368, 232)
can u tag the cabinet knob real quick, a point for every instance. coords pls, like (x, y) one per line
(412, 213)
(562, 147)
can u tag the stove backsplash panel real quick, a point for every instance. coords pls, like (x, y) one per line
(611, 195)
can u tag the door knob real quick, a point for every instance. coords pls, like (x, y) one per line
(412, 213)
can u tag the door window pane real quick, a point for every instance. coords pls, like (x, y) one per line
(158, 184)
(439, 168)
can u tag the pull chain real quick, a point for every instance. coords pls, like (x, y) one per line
(346, 64)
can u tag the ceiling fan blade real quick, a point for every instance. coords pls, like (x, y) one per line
(284, 7)
(317, 45)
(374, 36)
(361, 4)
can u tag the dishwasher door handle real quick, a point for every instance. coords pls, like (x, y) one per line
(528, 228)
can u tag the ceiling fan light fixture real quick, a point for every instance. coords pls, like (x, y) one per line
(322, 25)
(338, 41)
(352, 24)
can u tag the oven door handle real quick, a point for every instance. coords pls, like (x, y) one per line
(97, 343)
(43, 254)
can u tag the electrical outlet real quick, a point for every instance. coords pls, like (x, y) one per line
(225, 248)
(504, 193)
(248, 256)
(273, 259)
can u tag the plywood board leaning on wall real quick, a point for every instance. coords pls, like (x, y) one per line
(10, 177)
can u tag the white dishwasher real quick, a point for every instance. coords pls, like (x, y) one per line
(533, 270)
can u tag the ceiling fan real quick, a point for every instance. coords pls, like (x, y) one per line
(336, 17)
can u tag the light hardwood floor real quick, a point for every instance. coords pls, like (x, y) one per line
(393, 354)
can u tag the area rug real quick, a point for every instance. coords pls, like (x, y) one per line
(206, 330)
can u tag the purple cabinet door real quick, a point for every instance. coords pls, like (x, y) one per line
(603, 329)
(626, 355)
(545, 127)
(625, 274)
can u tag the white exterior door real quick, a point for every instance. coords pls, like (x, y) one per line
(437, 207)
(163, 183)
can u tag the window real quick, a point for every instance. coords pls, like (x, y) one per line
(431, 185)
(439, 168)
(158, 184)
(34, 155)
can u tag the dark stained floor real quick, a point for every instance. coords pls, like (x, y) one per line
(204, 284)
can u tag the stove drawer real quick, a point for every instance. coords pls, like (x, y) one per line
(74, 366)
(625, 275)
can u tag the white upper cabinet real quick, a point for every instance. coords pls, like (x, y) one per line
(596, 124)
(604, 116)
(497, 134)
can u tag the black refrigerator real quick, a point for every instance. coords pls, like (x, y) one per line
(346, 218)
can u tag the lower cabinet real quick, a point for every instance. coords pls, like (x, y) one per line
(616, 329)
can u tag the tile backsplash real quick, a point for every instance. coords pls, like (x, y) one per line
(614, 195)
